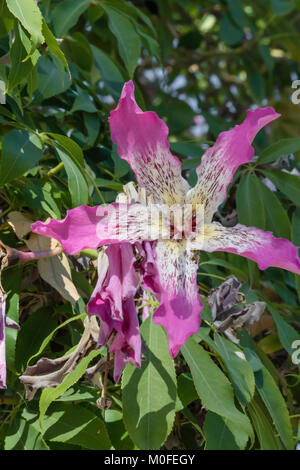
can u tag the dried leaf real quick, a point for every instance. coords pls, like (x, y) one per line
(229, 311)
(51, 372)
(20, 223)
(55, 271)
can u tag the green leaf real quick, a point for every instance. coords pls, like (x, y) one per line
(128, 40)
(226, 264)
(28, 46)
(92, 125)
(83, 102)
(236, 9)
(296, 227)
(186, 391)
(255, 82)
(78, 51)
(280, 148)
(66, 14)
(133, 10)
(277, 219)
(19, 70)
(32, 82)
(103, 183)
(48, 395)
(151, 44)
(42, 323)
(282, 7)
(275, 404)
(264, 429)
(76, 181)
(52, 78)
(249, 200)
(270, 344)
(178, 114)
(266, 56)
(286, 183)
(29, 15)
(287, 334)
(218, 435)
(6, 19)
(149, 393)
(258, 206)
(116, 430)
(188, 149)
(80, 392)
(215, 391)
(75, 424)
(46, 340)
(69, 146)
(22, 435)
(121, 167)
(11, 279)
(39, 195)
(229, 33)
(238, 368)
(110, 73)
(21, 151)
(54, 46)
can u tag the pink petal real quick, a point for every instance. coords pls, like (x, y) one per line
(127, 343)
(141, 138)
(75, 232)
(91, 227)
(219, 163)
(2, 343)
(253, 243)
(121, 281)
(176, 288)
(113, 302)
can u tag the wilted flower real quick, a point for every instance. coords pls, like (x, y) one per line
(169, 266)
(229, 309)
(8, 257)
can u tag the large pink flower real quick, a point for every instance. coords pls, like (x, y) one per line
(141, 138)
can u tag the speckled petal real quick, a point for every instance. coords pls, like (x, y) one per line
(141, 138)
(177, 291)
(91, 227)
(219, 163)
(253, 243)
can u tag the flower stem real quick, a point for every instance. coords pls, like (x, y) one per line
(56, 169)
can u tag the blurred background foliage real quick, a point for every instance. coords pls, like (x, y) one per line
(200, 65)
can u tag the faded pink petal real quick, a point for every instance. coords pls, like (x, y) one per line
(219, 163)
(253, 243)
(141, 138)
(175, 286)
(91, 227)
(113, 302)
(122, 280)
(127, 342)
(146, 310)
